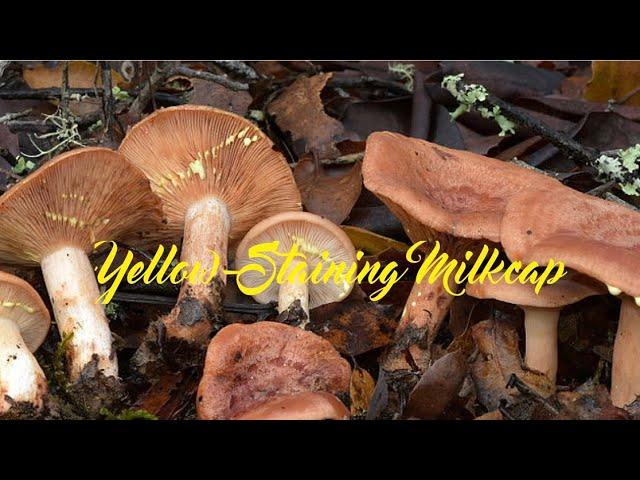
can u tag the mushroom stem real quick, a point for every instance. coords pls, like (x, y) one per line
(541, 338)
(297, 290)
(21, 378)
(206, 233)
(625, 369)
(74, 293)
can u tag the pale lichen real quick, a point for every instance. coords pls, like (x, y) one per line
(621, 168)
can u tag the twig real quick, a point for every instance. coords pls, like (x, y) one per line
(6, 118)
(523, 388)
(367, 81)
(64, 94)
(211, 77)
(108, 102)
(46, 93)
(162, 71)
(239, 68)
(420, 108)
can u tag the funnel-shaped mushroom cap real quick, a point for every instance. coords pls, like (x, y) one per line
(78, 198)
(596, 237)
(191, 152)
(570, 289)
(247, 365)
(20, 303)
(303, 406)
(313, 235)
(433, 189)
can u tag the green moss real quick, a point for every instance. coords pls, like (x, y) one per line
(127, 414)
(59, 373)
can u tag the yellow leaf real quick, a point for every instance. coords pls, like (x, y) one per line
(613, 80)
(361, 390)
(372, 243)
(81, 75)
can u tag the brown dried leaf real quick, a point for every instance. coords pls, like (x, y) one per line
(614, 80)
(299, 110)
(330, 192)
(218, 96)
(361, 390)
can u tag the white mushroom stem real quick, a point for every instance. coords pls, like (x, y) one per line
(296, 290)
(21, 378)
(625, 370)
(74, 293)
(541, 336)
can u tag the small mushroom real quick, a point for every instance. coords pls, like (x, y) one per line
(541, 313)
(248, 365)
(439, 194)
(302, 406)
(319, 241)
(24, 323)
(53, 218)
(595, 237)
(217, 175)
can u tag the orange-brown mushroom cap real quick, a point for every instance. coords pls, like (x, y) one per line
(78, 198)
(191, 152)
(20, 303)
(302, 406)
(247, 365)
(313, 235)
(434, 189)
(570, 289)
(594, 236)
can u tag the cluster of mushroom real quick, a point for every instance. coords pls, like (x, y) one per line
(464, 200)
(190, 173)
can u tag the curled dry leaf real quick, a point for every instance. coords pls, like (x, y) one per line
(355, 326)
(438, 387)
(328, 192)
(498, 359)
(614, 81)
(299, 110)
(361, 391)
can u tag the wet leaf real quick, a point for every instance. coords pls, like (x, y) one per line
(372, 243)
(330, 192)
(361, 390)
(218, 96)
(613, 80)
(81, 75)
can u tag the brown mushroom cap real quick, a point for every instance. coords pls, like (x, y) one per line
(302, 406)
(247, 365)
(570, 289)
(191, 152)
(20, 303)
(314, 235)
(596, 237)
(437, 190)
(78, 198)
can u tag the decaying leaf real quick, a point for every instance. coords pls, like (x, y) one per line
(218, 96)
(299, 110)
(614, 80)
(361, 391)
(372, 243)
(328, 192)
(437, 387)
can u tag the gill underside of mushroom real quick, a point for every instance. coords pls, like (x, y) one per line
(541, 337)
(426, 308)
(23, 385)
(81, 319)
(199, 305)
(625, 369)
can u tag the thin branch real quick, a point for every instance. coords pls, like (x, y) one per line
(239, 68)
(211, 77)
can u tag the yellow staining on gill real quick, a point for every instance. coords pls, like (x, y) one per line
(26, 308)
(74, 221)
(73, 196)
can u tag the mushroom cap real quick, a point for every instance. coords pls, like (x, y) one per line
(594, 236)
(437, 191)
(77, 198)
(302, 406)
(20, 303)
(314, 235)
(570, 289)
(247, 365)
(191, 152)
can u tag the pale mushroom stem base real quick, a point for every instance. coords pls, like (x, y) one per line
(21, 378)
(74, 293)
(541, 339)
(426, 308)
(625, 370)
(199, 305)
(298, 290)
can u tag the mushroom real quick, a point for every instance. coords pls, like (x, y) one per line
(217, 175)
(248, 365)
(598, 238)
(302, 406)
(319, 241)
(24, 323)
(541, 313)
(439, 194)
(53, 218)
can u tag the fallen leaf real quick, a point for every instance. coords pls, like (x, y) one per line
(613, 80)
(366, 117)
(218, 96)
(299, 110)
(372, 243)
(330, 192)
(437, 388)
(361, 391)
